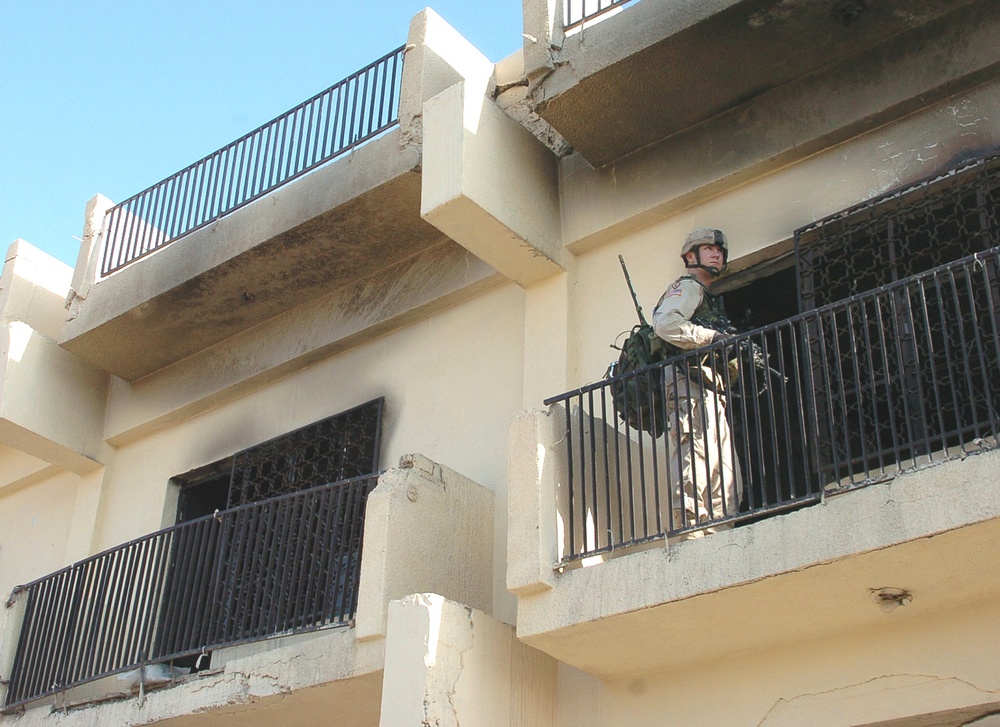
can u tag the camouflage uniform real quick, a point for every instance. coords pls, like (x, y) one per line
(703, 470)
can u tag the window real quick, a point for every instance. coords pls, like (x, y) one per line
(271, 559)
(939, 383)
(337, 448)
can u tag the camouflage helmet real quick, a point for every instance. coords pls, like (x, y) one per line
(705, 236)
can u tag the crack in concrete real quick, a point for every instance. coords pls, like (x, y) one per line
(933, 677)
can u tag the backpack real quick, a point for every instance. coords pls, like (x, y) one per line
(636, 389)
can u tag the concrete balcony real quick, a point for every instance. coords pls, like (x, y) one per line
(629, 79)
(398, 558)
(353, 223)
(331, 227)
(845, 565)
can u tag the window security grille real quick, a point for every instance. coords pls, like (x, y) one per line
(923, 342)
(337, 448)
(900, 234)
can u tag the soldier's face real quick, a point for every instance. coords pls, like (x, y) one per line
(711, 256)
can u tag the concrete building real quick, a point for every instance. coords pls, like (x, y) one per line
(316, 431)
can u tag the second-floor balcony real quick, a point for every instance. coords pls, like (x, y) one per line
(866, 437)
(846, 395)
(613, 83)
(211, 250)
(286, 565)
(854, 445)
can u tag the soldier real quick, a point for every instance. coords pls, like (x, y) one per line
(704, 471)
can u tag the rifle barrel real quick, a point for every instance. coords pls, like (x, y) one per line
(635, 299)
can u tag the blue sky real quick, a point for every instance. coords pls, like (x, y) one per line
(110, 97)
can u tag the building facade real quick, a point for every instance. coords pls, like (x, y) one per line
(317, 431)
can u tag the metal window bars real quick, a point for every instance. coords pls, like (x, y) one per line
(853, 393)
(901, 233)
(286, 565)
(340, 447)
(578, 12)
(330, 123)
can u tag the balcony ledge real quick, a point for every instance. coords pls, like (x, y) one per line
(676, 68)
(346, 220)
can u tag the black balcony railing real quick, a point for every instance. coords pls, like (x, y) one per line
(855, 392)
(332, 122)
(285, 565)
(577, 12)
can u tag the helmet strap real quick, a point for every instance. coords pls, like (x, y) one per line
(713, 271)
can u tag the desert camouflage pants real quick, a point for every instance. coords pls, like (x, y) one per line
(704, 471)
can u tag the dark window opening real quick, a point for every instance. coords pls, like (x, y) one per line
(772, 469)
(203, 491)
(861, 401)
(323, 544)
(334, 449)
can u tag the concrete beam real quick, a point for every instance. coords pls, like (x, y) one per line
(491, 186)
(51, 402)
(789, 124)
(33, 289)
(427, 528)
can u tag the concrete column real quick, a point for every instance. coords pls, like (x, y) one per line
(448, 665)
(534, 472)
(549, 348)
(11, 619)
(88, 261)
(426, 528)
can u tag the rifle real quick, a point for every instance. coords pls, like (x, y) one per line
(635, 299)
(658, 349)
(636, 386)
(750, 349)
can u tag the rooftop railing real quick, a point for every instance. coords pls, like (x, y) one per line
(578, 12)
(852, 393)
(330, 123)
(286, 565)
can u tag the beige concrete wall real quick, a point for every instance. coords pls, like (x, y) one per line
(944, 664)
(35, 525)
(316, 331)
(754, 215)
(451, 381)
(51, 423)
(450, 665)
